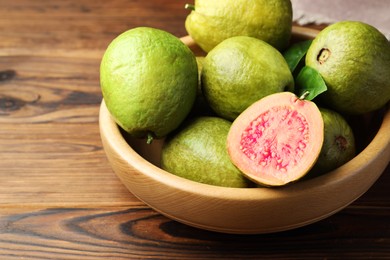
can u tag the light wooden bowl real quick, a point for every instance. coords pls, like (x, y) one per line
(242, 210)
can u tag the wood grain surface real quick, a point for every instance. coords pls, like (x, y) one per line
(59, 198)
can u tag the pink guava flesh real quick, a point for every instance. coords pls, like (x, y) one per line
(276, 140)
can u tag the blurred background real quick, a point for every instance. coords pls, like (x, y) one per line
(374, 12)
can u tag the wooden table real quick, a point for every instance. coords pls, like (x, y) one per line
(59, 198)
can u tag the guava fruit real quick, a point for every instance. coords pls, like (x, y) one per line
(199, 62)
(211, 22)
(339, 143)
(149, 80)
(354, 60)
(276, 140)
(198, 152)
(201, 106)
(240, 71)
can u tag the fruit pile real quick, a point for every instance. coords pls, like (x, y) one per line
(256, 110)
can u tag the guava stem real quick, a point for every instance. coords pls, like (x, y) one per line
(149, 138)
(304, 95)
(190, 7)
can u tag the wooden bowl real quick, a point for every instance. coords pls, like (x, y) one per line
(244, 210)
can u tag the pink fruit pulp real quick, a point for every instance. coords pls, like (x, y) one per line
(258, 141)
(277, 139)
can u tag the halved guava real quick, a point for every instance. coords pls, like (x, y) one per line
(276, 140)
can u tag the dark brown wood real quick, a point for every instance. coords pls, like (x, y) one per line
(59, 198)
(139, 232)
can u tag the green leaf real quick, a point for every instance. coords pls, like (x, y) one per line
(295, 53)
(309, 80)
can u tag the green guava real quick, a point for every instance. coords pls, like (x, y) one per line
(201, 106)
(240, 71)
(339, 143)
(199, 62)
(149, 80)
(211, 22)
(276, 140)
(354, 60)
(198, 152)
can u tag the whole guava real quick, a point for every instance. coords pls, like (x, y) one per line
(211, 22)
(354, 60)
(339, 143)
(198, 152)
(240, 71)
(149, 80)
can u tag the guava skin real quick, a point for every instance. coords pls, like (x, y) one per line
(149, 80)
(198, 152)
(201, 106)
(354, 60)
(214, 21)
(240, 71)
(339, 143)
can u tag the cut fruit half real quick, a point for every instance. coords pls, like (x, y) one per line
(276, 140)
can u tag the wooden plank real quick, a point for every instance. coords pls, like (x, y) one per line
(50, 148)
(141, 233)
(82, 25)
(57, 165)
